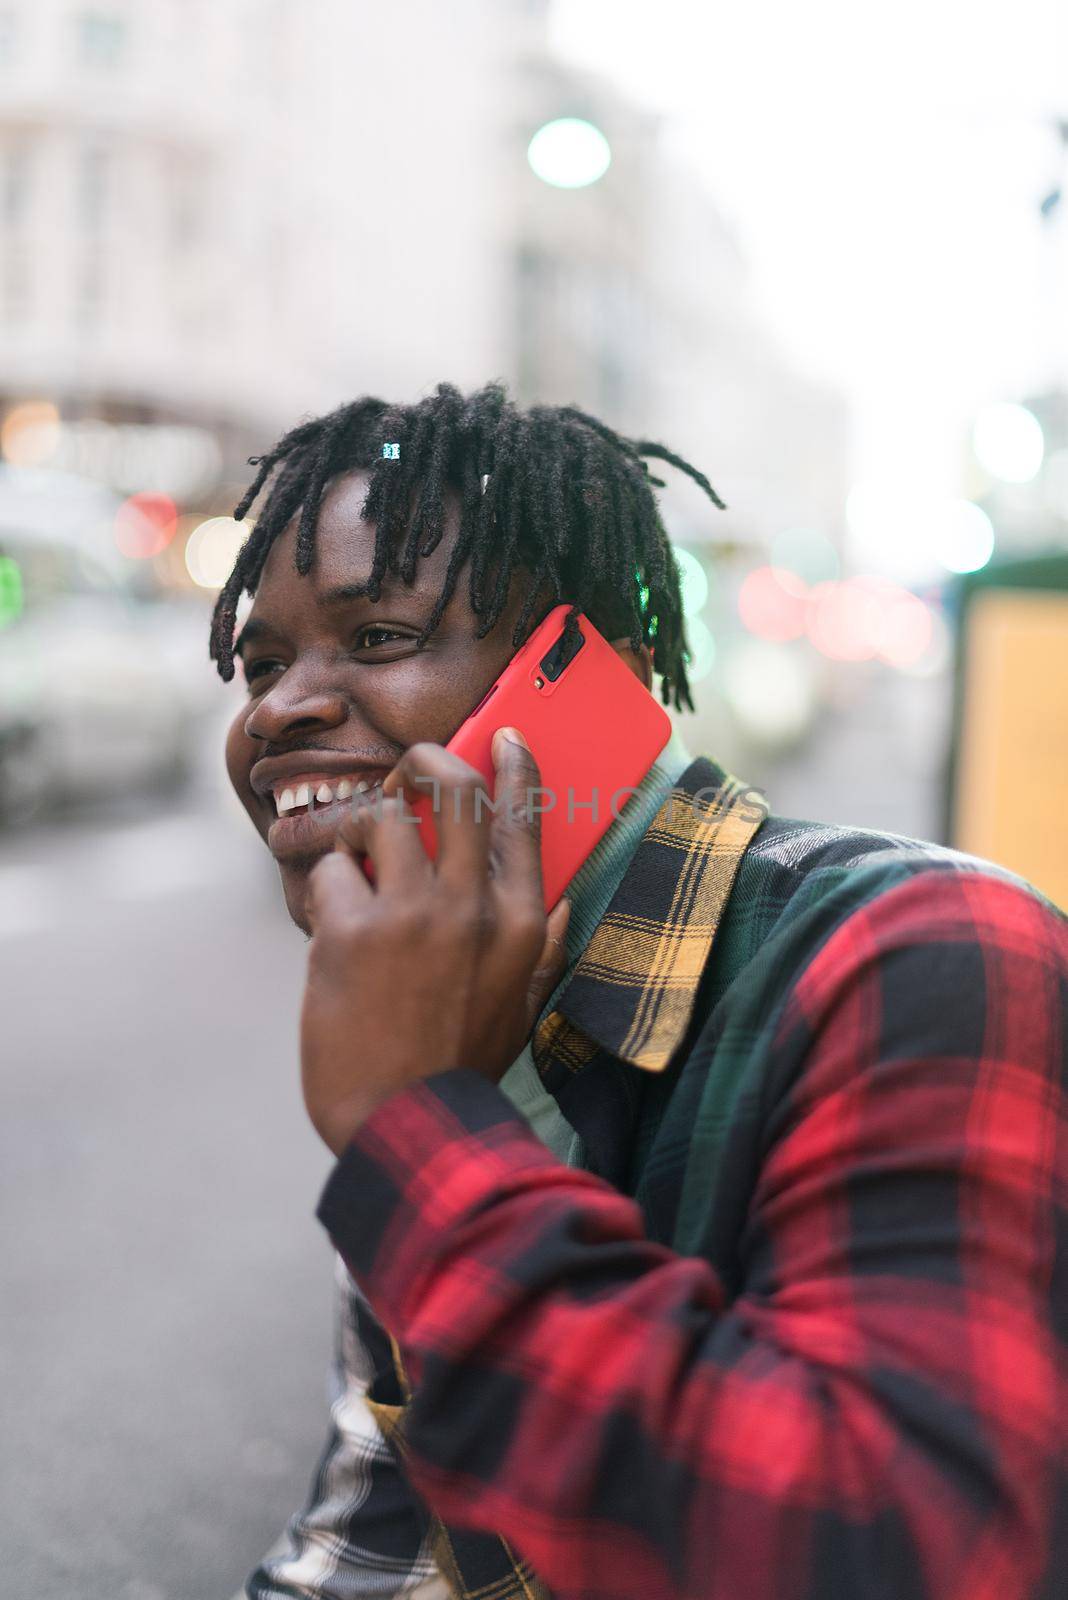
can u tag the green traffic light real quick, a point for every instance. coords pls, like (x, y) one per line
(11, 596)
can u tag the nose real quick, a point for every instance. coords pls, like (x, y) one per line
(297, 702)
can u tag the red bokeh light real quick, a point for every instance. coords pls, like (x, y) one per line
(867, 616)
(771, 603)
(145, 524)
(842, 620)
(908, 627)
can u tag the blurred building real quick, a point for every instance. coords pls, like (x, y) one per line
(142, 256)
(631, 298)
(217, 217)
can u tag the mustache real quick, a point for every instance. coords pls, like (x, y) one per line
(375, 758)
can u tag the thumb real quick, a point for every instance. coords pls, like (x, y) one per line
(336, 886)
(552, 961)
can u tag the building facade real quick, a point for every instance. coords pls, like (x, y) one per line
(222, 216)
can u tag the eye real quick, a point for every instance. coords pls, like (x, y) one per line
(255, 669)
(379, 628)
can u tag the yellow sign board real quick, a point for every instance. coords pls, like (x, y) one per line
(1011, 800)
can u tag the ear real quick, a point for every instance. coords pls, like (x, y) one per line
(639, 661)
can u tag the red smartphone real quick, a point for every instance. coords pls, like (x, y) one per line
(593, 729)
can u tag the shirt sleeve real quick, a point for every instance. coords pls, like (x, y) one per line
(878, 1410)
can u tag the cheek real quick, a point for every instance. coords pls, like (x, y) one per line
(459, 684)
(428, 700)
(240, 753)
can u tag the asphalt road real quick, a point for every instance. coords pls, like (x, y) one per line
(166, 1287)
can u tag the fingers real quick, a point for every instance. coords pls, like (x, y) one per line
(473, 828)
(336, 887)
(557, 923)
(551, 963)
(516, 832)
(553, 958)
(386, 831)
(459, 803)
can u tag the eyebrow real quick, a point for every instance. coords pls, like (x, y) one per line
(342, 594)
(253, 629)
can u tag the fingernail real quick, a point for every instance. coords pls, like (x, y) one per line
(515, 736)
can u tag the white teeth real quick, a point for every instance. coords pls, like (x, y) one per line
(294, 798)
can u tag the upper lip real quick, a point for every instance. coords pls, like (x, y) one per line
(273, 770)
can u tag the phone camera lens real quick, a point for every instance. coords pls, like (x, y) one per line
(558, 657)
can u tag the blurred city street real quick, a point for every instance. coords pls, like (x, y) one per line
(166, 1286)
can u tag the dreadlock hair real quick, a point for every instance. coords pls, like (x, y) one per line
(551, 490)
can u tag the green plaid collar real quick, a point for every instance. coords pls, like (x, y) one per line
(632, 990)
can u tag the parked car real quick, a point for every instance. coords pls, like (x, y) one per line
(93, 701)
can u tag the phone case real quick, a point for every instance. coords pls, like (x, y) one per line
(594, 731)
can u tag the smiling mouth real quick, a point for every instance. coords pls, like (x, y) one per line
(308, 814)
(315, 794)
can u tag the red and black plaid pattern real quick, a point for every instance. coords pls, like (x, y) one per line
(820, 1352)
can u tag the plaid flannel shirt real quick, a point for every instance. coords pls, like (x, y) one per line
(800, 1329)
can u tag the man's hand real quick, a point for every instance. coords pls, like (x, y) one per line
(440, 964)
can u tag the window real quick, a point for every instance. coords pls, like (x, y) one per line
(186, 207)
(15, 284)
(14, 184)
(93, 176)
(8, 34)
(92, 186)
(15, 277)
(90, 287)
(101, 37)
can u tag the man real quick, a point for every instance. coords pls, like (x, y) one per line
(708, 1237)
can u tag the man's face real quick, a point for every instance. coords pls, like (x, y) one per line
(336, 687)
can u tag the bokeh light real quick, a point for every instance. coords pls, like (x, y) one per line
(770, 690)
(873, 513)
(11, 596)
(963, 539)
(890, 529)
(771, 603)
(569, 153)
(905, 631)
(867, 616)
(145, 524)
(841, 620)
(1008, 442)
(693, 580)
(937, 658)
(701, 649)
(212, 549)
(29, 433)
(807, 552)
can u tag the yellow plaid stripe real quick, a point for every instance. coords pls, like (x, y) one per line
(646, 970)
